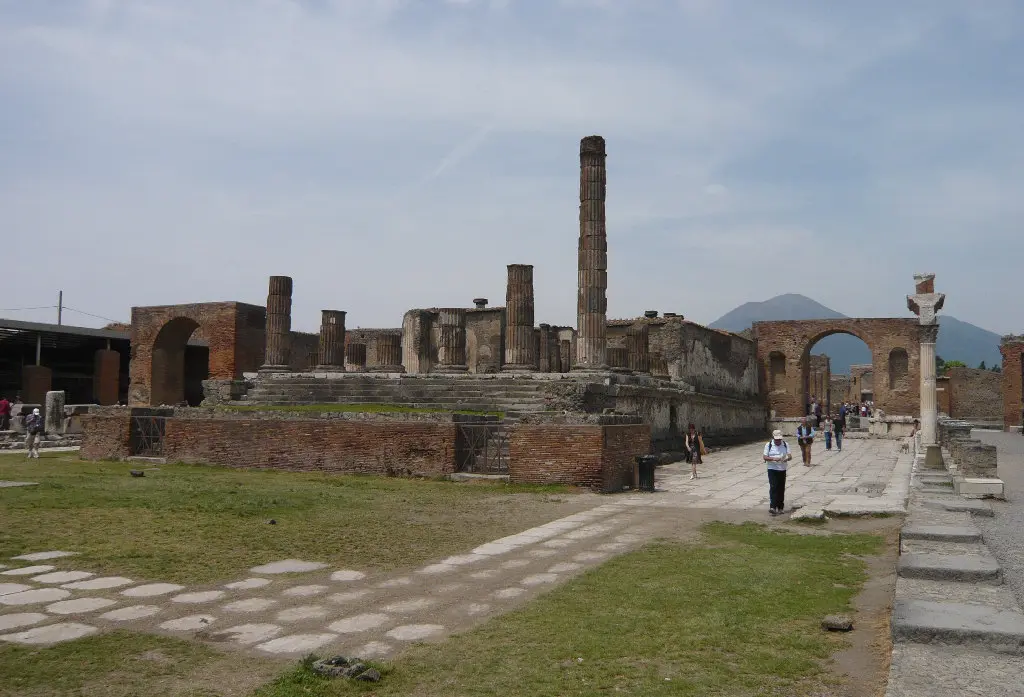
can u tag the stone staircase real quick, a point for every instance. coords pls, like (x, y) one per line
(513, 397)
(956, 628)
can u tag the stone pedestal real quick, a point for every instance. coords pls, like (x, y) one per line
(355, 358)
(279, 324)
(638, 348)
(451, 348)
(519, 333)
(592, 301)
(53, 412)
(106, 377)
(35, 383)
(331, 356)
(389, 354)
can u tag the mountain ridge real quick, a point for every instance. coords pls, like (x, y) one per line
(958, 340)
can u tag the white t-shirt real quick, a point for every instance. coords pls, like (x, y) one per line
(776, 450)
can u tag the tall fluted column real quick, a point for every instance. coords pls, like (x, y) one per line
(355, 358)
(929, 399)
(389, 354)
(565, 355)
(451, 347)
(519, 340)
(279, 323)
(592, 305)
(638, 348)
(618, 359)
(332, 340)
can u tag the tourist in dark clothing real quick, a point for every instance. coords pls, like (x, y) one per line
(693, 448)
(838, 426)
(777, 457)
(5, 414)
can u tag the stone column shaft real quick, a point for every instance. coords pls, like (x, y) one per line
(355, 357)
(592, 302)
(617, 357)
(451, 348)
(519, 333)
(389, 354)
(929, 407)
(279, 323)
(638, 348)
(332, 340)
(565, 354)
(544, 354)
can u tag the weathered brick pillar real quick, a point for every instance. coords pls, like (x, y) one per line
(544, 353)
(279, 323)
(592, 303)
(106, 377)
(519, 341)
(355, 358)
(554, 353)
(389, 354)
(331, 356)
(638, 348)
(451, 348)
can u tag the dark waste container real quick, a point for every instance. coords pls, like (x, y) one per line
(645, 470)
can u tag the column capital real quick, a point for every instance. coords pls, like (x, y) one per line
(928, 333)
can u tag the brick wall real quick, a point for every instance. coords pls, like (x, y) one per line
(784, 379)
(942, 394)
(975, 394)
(1012, 348)
(596, 457)
(104, 437)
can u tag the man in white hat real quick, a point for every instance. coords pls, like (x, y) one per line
(34, 432)
(777, 455)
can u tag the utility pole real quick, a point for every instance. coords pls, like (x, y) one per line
(60, 305)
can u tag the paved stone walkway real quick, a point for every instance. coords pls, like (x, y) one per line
(293, 607)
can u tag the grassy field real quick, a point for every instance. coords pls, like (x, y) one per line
(736, 615)
(354, 408)
(197, 524)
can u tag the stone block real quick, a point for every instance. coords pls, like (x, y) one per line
(54, 412)
(978, 459)
(941, 533)
(926, 622)
(977, 486)
(958, 505)
(950, 567)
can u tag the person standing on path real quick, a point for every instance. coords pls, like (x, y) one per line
(693, 446)
(34, 431)
(777, 455)
(5, 414)
(838, 426)
(805, 438)
(827, 429)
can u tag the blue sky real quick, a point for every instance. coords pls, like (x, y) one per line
(391, 154)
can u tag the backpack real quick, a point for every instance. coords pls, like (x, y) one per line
(34, 424)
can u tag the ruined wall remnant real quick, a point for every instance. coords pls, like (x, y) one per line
(972, 394)
(485, 339)
(592, 305)
(1012, 349)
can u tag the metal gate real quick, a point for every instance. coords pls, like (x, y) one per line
(146, 435)
(481, 448)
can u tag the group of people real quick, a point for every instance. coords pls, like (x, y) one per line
(33, 424)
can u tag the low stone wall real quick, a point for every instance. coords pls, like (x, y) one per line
(105, 436)
(892, 426)
(973, 464)
(596, 457)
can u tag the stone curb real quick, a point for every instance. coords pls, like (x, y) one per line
(953, 567)
(927, 622)
(941, 533)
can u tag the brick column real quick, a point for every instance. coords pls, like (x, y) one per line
(279, 323)
(355, 358)
(106, 377)
(451, 348)
(519, 342)
(592, 302)
(389, 354)
(331, 356)
(638, 348)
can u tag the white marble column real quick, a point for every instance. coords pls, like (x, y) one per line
(929, 408)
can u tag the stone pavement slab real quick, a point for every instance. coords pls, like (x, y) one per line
(942, 567)
(955, 504)
(922, 670)
(945, 533)
(925, 621)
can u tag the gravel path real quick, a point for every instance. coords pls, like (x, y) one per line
(1004, 533)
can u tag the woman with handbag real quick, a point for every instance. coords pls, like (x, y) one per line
(695, 448)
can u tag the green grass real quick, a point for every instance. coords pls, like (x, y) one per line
(355, 408)
(737, 616)
(196, 524)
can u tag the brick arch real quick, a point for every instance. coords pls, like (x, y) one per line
(235, 334)
(795, 338)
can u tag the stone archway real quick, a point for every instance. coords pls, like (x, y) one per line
(793, 339)
(235, 334)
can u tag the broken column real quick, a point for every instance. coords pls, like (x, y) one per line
(332, 341)
(565, 355)
(638, 348)
(925, 303)
(519, 339)
(355, 358)
(389, 354)
(279, 323)
(618, 359)
(544, 352)
(592, 301)
(53, 413)
(451, 347)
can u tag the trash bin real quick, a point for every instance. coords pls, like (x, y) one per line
(645, 472)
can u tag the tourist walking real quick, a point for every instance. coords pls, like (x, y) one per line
(838, 427)
(827, 429)
(34, 431)
(693, 447)
(777, 455)
(805, 438)
(5, 414)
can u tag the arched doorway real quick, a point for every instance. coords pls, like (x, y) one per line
(837, 369)
(178, 370)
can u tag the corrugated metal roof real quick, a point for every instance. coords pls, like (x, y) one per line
(11, 329)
